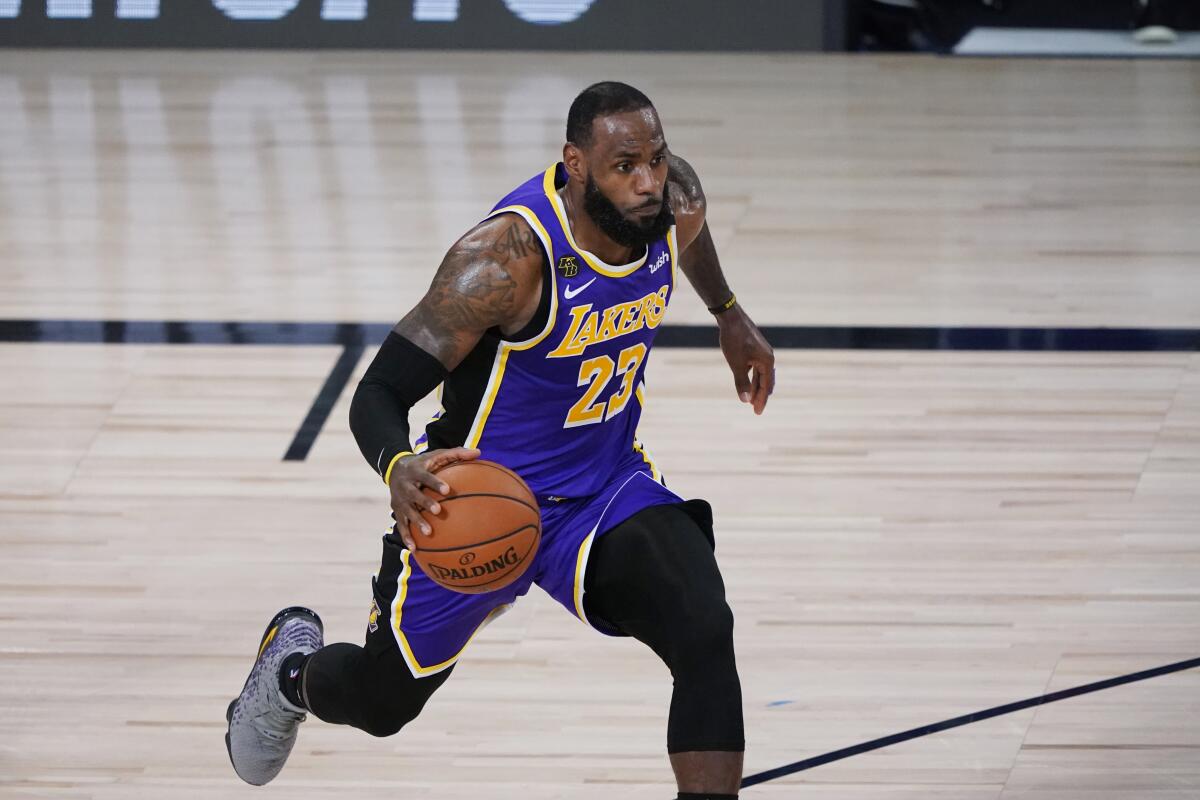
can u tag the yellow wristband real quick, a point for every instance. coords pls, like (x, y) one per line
(387, 475)
(728, 304)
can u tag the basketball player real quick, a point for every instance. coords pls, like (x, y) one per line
(537, 326)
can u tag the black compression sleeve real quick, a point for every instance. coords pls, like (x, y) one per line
(399, 376)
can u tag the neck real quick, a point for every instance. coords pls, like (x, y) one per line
(587, 233)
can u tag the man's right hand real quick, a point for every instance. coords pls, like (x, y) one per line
(414, 472)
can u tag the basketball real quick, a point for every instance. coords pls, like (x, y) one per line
(487, 531)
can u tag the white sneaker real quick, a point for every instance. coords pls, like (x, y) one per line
(262, 723)
(1152, 24)
(1155, 34)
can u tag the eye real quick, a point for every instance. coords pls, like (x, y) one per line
(658, 160)
(624, 166)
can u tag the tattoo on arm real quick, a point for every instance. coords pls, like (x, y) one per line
(699, 260)
(685, 180)
(474, 289)
(687, 199)
(516, 242)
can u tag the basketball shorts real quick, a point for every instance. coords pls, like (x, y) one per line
(432, 625)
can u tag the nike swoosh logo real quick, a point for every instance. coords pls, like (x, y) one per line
(570, 295)
(293, 674)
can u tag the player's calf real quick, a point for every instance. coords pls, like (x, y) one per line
(654, 577)
(370, 690)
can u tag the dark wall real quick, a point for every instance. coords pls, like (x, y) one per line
(949, 20)
(475, 24)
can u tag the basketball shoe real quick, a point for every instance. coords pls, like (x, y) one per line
(262, 723)
(1152, 23)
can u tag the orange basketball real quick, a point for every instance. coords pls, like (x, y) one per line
(486, 533)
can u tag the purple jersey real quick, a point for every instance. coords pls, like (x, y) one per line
(559, 402)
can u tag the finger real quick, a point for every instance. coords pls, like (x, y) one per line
(421, 501)
(760, 390)
(451, 455)
(403, 529)
(441, 459)
(417, 523)
(409, 514)
(426, 478)
(741, 384)
(422, 525)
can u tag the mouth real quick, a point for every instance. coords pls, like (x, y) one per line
(649, 209)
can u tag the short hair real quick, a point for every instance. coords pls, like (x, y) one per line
(599, 100)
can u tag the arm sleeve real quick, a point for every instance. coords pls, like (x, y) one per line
(399, 376)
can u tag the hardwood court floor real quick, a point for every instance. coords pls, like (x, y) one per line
(906, 536)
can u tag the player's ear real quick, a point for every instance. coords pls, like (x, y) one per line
(573, 161)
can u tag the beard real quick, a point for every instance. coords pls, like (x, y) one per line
(620, 228)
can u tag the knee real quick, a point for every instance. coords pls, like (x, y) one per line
(375, 693)
(703, 638)
(396, 702)
(383, 721)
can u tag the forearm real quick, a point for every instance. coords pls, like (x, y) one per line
(399, 376)
(379, 422)
(703, 270)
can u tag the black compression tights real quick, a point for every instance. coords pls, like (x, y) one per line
(371, 687)
(374, 692)
(653, 577)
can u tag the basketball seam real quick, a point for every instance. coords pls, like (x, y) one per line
(534, 509)
(500, 538)
(495, 466)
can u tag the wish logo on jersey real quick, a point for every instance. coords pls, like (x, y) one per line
(663, 259)
(589, 327)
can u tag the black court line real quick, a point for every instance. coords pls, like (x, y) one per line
(326, 398)
(810, 337)
(354, 337)
(95, 331)
(978, 716)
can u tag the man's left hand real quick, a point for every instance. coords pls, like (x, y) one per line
(750, 357)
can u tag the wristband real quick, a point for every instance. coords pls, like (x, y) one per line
(728, 304)
(387, 475)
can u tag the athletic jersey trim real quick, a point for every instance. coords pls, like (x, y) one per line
(496, 377)
(673, 246)
(418, 669)
(592, 259)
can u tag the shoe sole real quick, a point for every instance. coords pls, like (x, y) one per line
(264, 640)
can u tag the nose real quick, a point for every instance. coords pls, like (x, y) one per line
(644, 183)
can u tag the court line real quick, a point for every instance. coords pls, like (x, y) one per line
(323, 403)
(813, 337)
(978, 716)
(353, 337)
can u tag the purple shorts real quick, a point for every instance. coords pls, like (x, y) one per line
(433, 625)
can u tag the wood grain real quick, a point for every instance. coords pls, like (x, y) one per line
(906, 536)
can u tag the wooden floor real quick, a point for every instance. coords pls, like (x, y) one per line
(906, 536)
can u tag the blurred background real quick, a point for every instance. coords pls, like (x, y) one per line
(796, 25)
(968, 228)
